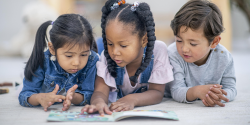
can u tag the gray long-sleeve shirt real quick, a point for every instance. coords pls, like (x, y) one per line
(218, 69)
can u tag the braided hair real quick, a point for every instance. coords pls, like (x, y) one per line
(142, 21)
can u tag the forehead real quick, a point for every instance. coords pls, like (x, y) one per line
(115, 28)
(74, 47)
(188, 33)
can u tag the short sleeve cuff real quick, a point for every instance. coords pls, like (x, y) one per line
(161, 76)
(86, 97)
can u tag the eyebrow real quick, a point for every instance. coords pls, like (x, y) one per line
(81, 52)
(189, 39)
(119, 41)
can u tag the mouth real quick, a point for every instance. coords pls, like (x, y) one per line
(74, 70)
(118, 61)
(186, 56)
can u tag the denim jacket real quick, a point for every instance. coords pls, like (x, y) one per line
(46, 79)
(145, 75)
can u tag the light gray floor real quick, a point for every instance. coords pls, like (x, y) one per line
(236, 112)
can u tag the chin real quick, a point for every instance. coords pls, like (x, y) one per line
(121, 65)
(188, 60)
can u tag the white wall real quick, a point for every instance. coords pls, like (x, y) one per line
(10, 17)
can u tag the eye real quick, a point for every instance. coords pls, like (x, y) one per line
(178, 41)
(68, 56)
(84, 55)
(123, 46)
(193, 44)
(109, 44)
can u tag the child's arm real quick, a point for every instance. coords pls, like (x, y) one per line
(99, 99)
(228, 91)
(228, 81)
(154, 95)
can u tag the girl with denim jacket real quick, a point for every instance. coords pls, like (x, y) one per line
(133, 67)
(66, 71)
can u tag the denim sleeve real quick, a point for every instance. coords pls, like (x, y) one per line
(31, 87)
(87, 87)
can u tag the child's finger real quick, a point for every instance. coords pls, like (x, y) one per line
(209, 101)
(106, 109)
(125, 109)
(73, 88)
(223, 91)
(92, 109)
(113, 106)
(219, 103)
(84, 109)
(205, 103)
(222, 97)
(65, 107)
(58, 97)
(213, 96)
(217, 86)
(45, 109)
(120, 108)
(49, 104)
(56, 89)
(101, 112)
(215, 90)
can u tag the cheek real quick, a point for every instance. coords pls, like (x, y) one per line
(84, 61)
(178, 46)
(199, 52)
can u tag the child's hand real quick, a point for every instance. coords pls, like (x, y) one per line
(69, 97)
(47, 99)
(122, 104)
(201, 93)
(216, 94)
(100, 107)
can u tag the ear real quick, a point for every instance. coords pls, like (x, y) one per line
(215, 42)
(51, 48)
(144, 40)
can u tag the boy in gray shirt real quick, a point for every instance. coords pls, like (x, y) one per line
(203, 68)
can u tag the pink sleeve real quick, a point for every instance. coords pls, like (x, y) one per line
(102, 71)
(162, 70)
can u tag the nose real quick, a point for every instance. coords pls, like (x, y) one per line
(76, 61)
(185, 48)
(116, 51)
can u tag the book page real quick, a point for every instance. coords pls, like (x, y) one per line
(76, 116)
(145, 113)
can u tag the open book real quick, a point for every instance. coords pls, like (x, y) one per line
(76, 116)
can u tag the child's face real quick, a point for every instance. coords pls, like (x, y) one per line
(73, 59)
(192, 45)
(123, 46)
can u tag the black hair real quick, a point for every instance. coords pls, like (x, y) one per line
(197, 14)
(142, 21)
(70, 29)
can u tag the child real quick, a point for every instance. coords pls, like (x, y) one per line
(133, 66)
(201, 65)
(67, 70)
